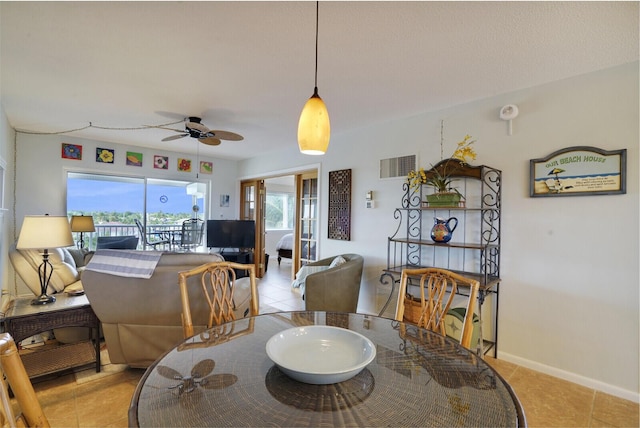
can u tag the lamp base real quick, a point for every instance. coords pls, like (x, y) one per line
(43, 300)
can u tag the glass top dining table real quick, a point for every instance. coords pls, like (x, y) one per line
(223, 377)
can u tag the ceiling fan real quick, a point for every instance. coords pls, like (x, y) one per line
(195, 129)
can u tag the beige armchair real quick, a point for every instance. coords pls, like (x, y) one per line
(336, 288)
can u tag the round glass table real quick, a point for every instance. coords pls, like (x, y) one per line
(223, 377)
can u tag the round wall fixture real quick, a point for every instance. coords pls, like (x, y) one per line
(509, 112)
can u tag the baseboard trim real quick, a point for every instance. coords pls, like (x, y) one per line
(571, 377)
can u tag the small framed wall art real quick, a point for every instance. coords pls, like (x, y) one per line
(71, 151)
(340, 205)
(579, 171)
(104, 155)
(134, 159)
(206, 167)
(184, 165)
(160, 162)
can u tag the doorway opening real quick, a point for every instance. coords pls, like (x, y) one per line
(285, 208)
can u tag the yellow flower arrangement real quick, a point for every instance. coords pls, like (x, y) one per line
(416, 178)
(442, 182)
(465, 151)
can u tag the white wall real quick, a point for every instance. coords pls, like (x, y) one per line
(6, 218)
(569, 298)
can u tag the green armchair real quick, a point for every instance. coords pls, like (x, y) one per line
(336, 288)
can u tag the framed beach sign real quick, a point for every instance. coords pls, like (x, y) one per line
(579, 171)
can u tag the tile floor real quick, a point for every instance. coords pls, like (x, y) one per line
(87, 399)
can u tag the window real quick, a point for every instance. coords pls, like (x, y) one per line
(116, 202)
(280, 210)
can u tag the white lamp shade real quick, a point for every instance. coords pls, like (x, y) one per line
(43, 232)
(82, 223)
(314, 128)
(196, 189)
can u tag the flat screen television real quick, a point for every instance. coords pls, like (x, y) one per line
(231, 233)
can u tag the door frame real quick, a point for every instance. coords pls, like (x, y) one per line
(293, 171)
(253, 209)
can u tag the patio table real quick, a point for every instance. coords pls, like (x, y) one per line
(223, 377)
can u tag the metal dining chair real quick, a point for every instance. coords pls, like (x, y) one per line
(191, 235)
(159, 238)
(13, 373)
(438, 288)
(218, 284)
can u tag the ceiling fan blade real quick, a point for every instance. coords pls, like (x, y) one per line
(210, 141)
(226, 135)
(174, 137)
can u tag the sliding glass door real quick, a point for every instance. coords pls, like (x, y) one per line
(115, 202)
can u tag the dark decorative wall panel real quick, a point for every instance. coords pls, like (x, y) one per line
(340, 204)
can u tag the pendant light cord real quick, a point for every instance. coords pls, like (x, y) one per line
(316, 76)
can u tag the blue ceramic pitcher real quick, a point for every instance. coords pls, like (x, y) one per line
(441, 231)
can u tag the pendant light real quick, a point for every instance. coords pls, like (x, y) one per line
(314, 128)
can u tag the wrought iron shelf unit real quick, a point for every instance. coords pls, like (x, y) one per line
(474, 250)
(486, 283)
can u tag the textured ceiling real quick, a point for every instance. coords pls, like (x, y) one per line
(248, 67)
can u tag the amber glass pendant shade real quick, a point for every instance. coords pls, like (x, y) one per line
(314, 128)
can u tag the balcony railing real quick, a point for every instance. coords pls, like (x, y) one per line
(91, 238)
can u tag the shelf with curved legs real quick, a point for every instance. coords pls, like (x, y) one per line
(474, 246)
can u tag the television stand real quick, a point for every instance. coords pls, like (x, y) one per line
(244, 257)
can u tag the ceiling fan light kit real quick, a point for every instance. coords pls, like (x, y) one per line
(314, 128)
(194, 128)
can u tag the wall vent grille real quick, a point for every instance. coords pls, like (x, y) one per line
(397, 167)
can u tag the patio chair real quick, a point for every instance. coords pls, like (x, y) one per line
(13, 370)
(191, 235)
(158, 238)
(219, 285)
(430, 309)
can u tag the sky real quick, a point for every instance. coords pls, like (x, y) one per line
(92, 195)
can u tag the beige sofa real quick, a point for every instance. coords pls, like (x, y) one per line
(141, 318)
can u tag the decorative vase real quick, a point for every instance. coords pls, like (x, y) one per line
(441, 231)
(448, 199)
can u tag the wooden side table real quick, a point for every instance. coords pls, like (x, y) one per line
(24, 320)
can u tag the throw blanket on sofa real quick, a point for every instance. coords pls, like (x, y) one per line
(135, 264)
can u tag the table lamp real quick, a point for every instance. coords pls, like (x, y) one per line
(82, 223)
(44, 232)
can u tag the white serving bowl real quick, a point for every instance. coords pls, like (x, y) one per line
(320, 354)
